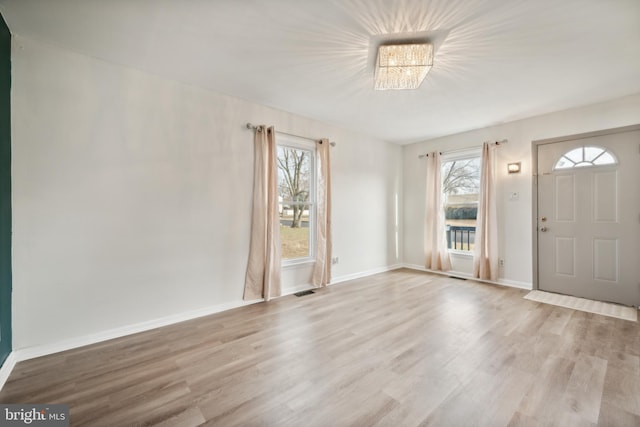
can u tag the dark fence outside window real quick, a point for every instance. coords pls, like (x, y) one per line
(460, 238)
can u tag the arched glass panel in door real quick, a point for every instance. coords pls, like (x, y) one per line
(585, 156)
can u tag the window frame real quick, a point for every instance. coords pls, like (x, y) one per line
(465, 154)
(296, 143)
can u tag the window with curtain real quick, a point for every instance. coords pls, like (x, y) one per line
(460, 190)
(297, 198)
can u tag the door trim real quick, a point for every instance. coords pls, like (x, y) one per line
(534, 182)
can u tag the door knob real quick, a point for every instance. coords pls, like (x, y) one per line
(543, 229)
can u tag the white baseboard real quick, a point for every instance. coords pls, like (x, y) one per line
(7, 367)
(341, 279)
(353, 276)
(500, 282)
(68, 344)
(516, 284)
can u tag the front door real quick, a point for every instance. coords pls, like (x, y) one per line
(589, 217)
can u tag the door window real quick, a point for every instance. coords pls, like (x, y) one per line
(585, 156)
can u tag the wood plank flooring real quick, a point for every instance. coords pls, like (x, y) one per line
(402, 348)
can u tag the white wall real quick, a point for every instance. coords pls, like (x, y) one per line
(515, 217)
(132, 195)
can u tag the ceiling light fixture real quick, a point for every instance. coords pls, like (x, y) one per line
(402, 66)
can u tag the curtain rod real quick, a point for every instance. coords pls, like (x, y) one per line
(502, 142)
(254, 127)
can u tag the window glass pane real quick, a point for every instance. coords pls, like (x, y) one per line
(575, 155)
(593, 156)
(460, 187)
(295, 240)
(605, 159)
(591, 153)
(564, 163)
(296, 200)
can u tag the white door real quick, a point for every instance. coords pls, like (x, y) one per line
(589, 217)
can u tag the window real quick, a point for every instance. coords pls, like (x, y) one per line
(296, 197)
(585, 156)
(460, 189)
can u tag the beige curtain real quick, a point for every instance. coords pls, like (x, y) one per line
(435, 242)
(485, 256)
(322, 269)
(263, 269)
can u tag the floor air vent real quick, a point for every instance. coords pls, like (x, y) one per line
(303, 293)
(459, 278)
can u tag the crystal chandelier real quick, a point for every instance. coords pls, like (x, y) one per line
(402, 66)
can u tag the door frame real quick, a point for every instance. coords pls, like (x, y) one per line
(534, 195)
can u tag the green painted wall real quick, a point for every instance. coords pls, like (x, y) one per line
(5, 191)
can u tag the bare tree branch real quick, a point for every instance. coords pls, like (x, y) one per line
(294, 186)
(461, 177)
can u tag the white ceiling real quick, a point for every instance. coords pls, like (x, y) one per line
(496, 60)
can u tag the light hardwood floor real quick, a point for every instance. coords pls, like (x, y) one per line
(402, 348)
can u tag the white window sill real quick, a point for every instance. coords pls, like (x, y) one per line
(299, 262)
